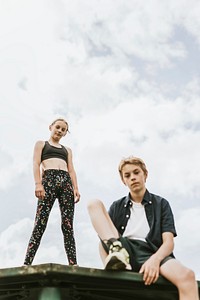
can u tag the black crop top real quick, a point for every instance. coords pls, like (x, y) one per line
(50, 151)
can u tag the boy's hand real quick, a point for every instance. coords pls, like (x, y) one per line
(150, 270)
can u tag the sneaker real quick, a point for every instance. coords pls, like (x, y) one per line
(118, 257)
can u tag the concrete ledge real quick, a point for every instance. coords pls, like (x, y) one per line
(58, 282)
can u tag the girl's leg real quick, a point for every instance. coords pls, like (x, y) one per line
(66, 203)
(101, 220)
(182, 277)
(42, 214)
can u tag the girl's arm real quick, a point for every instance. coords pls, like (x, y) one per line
(72, 174)
(39, 189)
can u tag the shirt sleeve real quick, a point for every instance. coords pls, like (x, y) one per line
(167, 222)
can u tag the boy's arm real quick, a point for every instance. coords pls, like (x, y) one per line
(150, 268)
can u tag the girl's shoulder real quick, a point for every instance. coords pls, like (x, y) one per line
(69, 150)
(40, 144)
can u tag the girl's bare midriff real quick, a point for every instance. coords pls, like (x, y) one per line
(54, 163)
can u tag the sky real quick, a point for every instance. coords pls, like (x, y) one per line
(126, 76)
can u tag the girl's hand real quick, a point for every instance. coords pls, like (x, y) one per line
(76, 196)
(39, 191)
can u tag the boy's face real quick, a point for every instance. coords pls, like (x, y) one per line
(133, 176)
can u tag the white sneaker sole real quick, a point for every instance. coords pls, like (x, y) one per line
(116, 263)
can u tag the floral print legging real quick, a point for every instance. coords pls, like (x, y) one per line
(57, 185)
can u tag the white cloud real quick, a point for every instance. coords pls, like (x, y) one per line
(11, 244)
(14, 242)
(187, 241)
(107, 67)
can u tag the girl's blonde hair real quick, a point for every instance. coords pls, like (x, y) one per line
(132, 160)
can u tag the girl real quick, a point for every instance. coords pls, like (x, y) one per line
(55, 177)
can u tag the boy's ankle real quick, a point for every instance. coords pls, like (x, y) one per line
(109, 242)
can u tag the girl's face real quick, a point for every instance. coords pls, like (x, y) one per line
(58, 130)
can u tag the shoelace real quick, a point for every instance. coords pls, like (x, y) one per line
(116, 246)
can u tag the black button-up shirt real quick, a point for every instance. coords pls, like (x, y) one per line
(158, 212)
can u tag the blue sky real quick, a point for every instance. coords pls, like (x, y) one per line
(125, 74)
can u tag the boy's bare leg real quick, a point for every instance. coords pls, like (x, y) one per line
(101, 220)
(182, 277)
(118, 257)
(102, 253)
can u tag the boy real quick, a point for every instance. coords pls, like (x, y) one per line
(138, 232)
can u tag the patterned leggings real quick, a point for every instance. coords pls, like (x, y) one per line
(57, 184)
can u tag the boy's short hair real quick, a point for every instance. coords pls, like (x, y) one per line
(132, 160)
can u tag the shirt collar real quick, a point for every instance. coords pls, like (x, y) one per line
(146, 199)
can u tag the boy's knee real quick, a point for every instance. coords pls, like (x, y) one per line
(187, 278)
(93, 204)
(190, 275)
